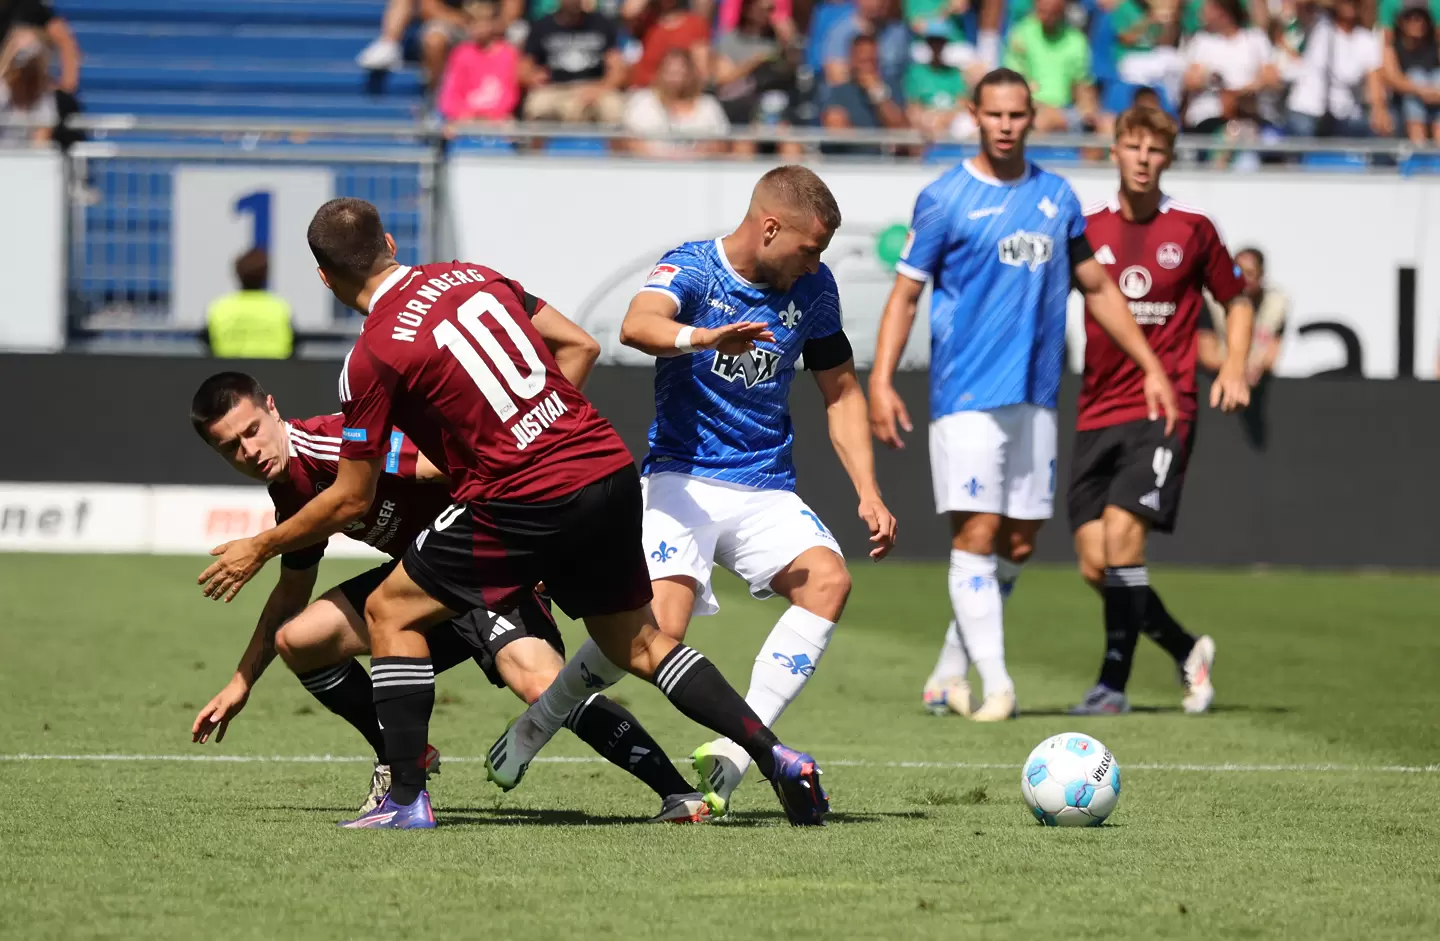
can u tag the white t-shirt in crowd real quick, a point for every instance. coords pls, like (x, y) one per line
(1237, 59)
(43, 113)
(645, 115)
(1347, 58)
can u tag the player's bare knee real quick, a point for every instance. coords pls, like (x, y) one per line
(286, 648)
(827, 591)
(1093, 571)
(974, 532)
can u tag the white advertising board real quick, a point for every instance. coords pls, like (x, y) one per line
(139, 519)
(222, 212)
(584, 236)
(32, 249)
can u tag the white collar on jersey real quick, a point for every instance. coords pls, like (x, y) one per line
(386, 285)
(1114, 204)
(970, 168)
(720, 250)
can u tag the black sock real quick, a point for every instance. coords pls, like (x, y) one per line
(1165, 630)
(1126, 596)
(404, 699)
(696, 688)
(345, 690)
(620, 739)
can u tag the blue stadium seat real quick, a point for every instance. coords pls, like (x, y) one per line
(1420, 164)
(577, 145)
(479, 143)
(948, 153)
(315, 13)
(253, 106)
(239, 75)
(1342, 162)
(219, 41)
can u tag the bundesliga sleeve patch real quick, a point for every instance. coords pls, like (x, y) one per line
(354, 434)
(662, 276)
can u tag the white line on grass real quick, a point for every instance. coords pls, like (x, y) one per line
(1227, 768)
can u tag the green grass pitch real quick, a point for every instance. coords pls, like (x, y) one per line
(1306, 806)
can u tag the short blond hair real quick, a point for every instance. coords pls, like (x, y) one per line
(800, 188)
(1147, 120)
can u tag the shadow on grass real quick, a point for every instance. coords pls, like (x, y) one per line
(527, 816)
(1237, 708)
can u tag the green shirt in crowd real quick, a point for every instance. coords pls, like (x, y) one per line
(1053, 64)
(939, 89)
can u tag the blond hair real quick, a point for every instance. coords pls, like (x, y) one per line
(1147, 120)
(799, 188)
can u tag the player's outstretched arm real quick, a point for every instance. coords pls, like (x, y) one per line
(650, 327)
(1111, 311)
(575, 351)
(888, 416)
(287, 599)
(330, 511)
(848, 418)
(1231, 390)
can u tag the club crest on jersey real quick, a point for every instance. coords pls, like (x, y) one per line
(1048, 208)
(1026, 249)
(751, 367)
(790, 316)
(1135, 282)
(1169, 255)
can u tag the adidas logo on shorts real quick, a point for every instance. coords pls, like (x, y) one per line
(1152, 500)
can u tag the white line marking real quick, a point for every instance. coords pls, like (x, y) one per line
(836, 763)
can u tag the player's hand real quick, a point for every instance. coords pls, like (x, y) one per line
(882, 526)
(219, 712)
(1160, 398)
(733, 338)
(887, 411)
(1230, 391)
(238, 563)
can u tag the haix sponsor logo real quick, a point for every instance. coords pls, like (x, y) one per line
(409, 319)
(721, 305)
(1103, 768)
(750, 367)
(1026, 249)
(542, 416)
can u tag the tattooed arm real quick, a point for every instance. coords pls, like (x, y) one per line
(287, 599)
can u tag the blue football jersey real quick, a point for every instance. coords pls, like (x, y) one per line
(728, 417)
(998, 256)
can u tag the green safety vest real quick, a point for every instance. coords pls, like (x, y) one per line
(250, 325)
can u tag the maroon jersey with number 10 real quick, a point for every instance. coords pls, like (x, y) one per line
(449, 356)
(1161, 265)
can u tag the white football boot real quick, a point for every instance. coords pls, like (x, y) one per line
(721, 765)
(509, 758)
(948, 696)
(997, 707)
(683, 808)
(1195, 676)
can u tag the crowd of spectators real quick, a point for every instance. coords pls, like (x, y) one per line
(1250, 69)
(39, 72)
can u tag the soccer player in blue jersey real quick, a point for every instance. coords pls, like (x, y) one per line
(999, 240)
(728, 321)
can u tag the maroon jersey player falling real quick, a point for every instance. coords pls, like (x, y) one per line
(1126, 472)
(464, 361)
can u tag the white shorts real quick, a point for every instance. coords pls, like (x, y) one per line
(998, 461)
(691, 523)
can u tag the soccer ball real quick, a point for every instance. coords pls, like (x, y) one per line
(1071, 780)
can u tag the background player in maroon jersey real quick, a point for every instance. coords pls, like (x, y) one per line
(545, 490)
(1126, 472)
(320, 640)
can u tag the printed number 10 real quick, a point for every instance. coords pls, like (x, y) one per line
(449, 337)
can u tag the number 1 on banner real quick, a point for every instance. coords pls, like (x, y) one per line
(449, 337)
(257, 206)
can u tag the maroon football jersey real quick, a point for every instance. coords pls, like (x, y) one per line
(1161, 266)
(449, 356)
(403, 506)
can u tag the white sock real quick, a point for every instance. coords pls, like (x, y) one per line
(784, 665)
(975, 596)
(587, 673)
(954, 662)
(1007, 573)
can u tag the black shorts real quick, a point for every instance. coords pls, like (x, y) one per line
(586, 548)
(478, 635)
(1133, 466)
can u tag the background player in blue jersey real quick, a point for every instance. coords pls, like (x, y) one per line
(728, 320)
(999, 240)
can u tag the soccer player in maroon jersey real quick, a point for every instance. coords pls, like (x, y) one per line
(456, 356)
(319, 640)
(1126, 473)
